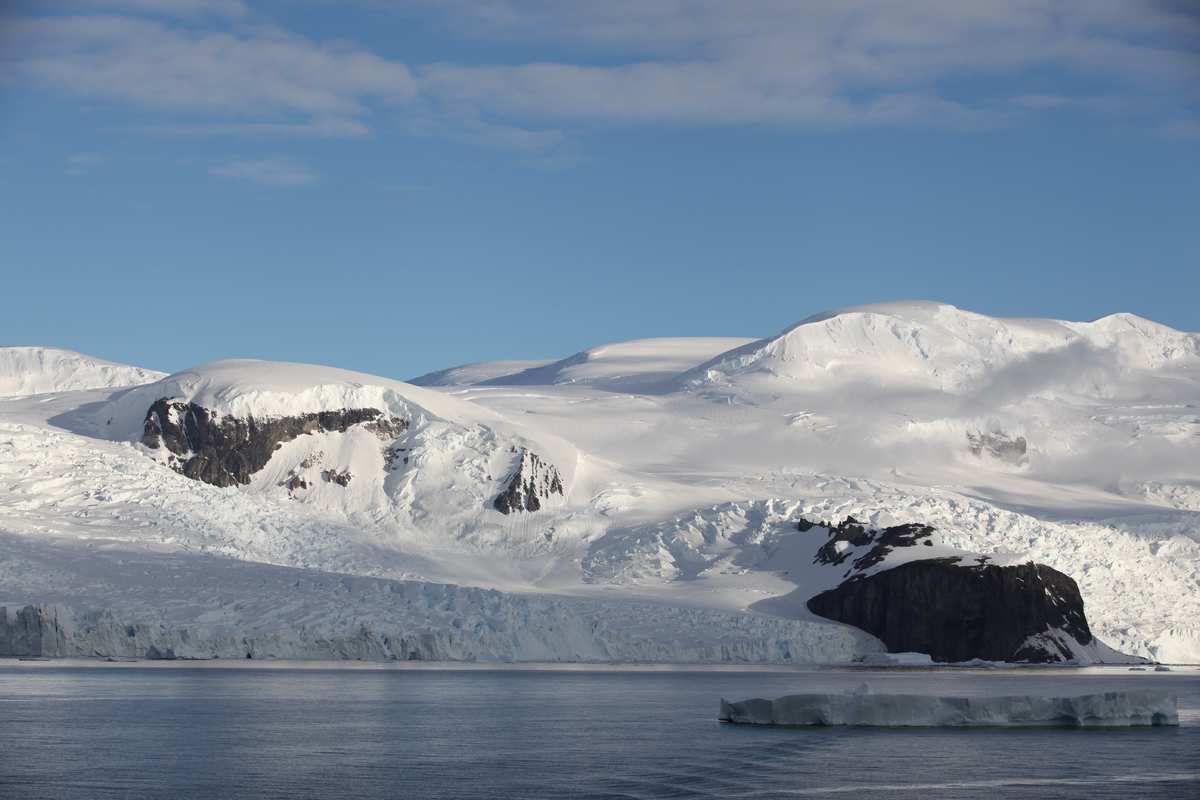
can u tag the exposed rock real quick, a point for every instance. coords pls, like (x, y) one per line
(998, 444)
(341, 478)
(226, 450)
(386, 427)
(852, 534)
(393, 457)
(154, 654)
(532, 482)
(952, 605)
(294, 483)
(956, 612)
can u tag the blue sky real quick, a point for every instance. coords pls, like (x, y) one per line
(401, 186)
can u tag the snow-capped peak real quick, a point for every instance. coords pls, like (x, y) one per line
(938, 346)
(42, 370)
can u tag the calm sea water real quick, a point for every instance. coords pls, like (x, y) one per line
(207, 731)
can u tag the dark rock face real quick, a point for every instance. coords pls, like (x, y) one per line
(340, 477)
(533, 481)
(227, 451)
(1013, 449)
(956, 612)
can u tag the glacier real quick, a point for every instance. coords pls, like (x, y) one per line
(867, 708)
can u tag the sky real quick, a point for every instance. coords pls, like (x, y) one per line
(397, 187)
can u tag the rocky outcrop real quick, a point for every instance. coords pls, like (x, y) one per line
(340, 477)
(294, 483)
(950, 604)
(532, 483)
(1013, 449)
(956, 612)
(847, 537)
(227, 450)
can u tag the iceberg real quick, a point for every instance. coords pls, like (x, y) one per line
(897, 660)
(866, 708)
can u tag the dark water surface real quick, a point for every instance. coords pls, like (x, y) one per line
(184, 731)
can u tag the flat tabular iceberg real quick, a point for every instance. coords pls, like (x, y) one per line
(1109, 709)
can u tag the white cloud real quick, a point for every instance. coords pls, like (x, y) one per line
(825, 64)
(695, 93)
(269, 171)
(805, 64)
(259, 73)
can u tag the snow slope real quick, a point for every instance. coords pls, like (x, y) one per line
(38, 370)
(477, 372)
(642, 365)
(684, 471)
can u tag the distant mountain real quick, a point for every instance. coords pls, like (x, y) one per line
(40, 370)
(680, 499)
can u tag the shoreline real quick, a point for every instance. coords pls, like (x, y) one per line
(577, 666)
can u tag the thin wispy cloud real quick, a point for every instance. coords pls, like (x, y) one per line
(1181, 129)
(177, 8)
(317, 129)
(274, 171)
(80, 164)
(263, 74)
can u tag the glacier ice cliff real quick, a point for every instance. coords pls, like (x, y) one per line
(295, 614)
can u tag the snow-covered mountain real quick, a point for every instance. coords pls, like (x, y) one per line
(40, 370)
(663, 499)
(925, 345)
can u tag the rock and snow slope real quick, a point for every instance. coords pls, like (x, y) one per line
(660, 481)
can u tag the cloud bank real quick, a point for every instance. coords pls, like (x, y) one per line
(223, 67)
